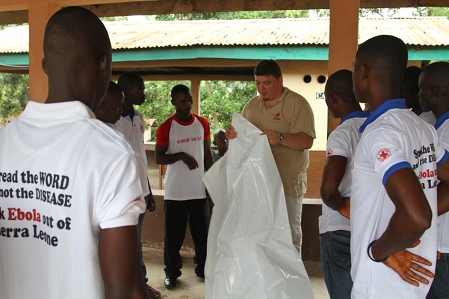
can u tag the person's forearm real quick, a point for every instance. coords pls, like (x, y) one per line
(332, 199)
(164, 159)
(401, 233)
(300, 141)
(412, 216)
(208, 160)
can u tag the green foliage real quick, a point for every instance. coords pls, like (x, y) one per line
(14, 94)
(112, 19)
(378, 12)
(272, 14)
(432, 11)
(219, 100)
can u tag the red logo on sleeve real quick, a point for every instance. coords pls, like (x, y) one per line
(142, 128)
(383, 154)
(329, 153)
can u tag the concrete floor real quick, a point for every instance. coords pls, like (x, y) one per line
(191, 287)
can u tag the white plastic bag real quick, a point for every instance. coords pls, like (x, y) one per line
(250, 253)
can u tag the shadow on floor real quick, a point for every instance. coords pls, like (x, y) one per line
(191, 287)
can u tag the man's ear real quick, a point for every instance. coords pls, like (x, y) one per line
(364, 70)
(104, 64)
(434, 91)
(43, 65)
(333, 98)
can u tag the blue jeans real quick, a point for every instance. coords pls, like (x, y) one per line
(336, 263)
(440, 284)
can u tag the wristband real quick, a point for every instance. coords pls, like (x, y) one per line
(372, 258)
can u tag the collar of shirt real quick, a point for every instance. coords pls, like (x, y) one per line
(131, 113)
(442, 119)
(359, 114)
(418, 111)
(398, 103)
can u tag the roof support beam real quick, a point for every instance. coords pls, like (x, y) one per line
(343, 41)
(39, 14)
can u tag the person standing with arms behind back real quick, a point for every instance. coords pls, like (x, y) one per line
(394, 183)
(286, 118)
(131, 125)
(434, 97)
(335, 229)
(183, 143)
(82, 240)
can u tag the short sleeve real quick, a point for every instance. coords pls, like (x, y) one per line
(206, 127)
(385, 152)
(302, 120)
(119, 197)
(163, 133)
(338, 144)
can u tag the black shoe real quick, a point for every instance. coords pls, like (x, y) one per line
(200, 275)
(170, 283)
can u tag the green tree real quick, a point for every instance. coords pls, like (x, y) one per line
(220, 99)
(432, 11)
(273, 14)
(363, 12)
(14, 94)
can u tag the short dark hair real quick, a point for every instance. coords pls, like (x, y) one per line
(177, 89)
(268, 67)
(387, 55)
(112, 87)
(127, 80)
(410, 80)
(340, 83)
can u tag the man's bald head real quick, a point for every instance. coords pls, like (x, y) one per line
(77, 57)
(386, 56)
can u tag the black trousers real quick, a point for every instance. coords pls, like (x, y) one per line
(196, 213)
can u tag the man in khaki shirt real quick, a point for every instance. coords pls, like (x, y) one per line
(286, 118)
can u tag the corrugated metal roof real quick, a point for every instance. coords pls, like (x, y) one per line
(423, 31)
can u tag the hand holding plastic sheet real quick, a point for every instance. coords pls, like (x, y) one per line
(250, 253)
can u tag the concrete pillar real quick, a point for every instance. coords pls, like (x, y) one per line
(38, 14)
(343, 40)
(195, 88)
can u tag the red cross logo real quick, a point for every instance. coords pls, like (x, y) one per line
(278, 114)
(142, 128)
(329, 153)
(383, 154)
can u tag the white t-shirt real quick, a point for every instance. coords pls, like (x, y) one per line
(181, 183)
(133, 130)
(342, 142)
(63, 177)
(393, 138)
(442, 126)
(428, 117)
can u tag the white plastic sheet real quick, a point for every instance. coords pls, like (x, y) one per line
(250, 253)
